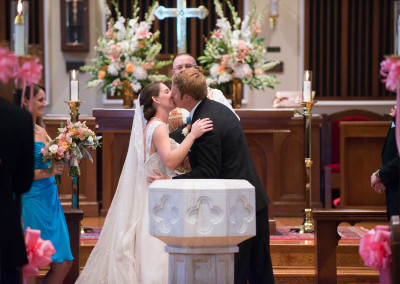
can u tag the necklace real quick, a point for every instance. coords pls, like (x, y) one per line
(34, 129)
(155, 118)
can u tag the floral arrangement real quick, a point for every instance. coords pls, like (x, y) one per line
(127, 53)
(237, 53)
(69, 145)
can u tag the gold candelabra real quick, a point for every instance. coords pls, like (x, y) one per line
(307, 226)
(74, 114)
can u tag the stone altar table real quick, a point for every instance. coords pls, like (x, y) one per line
(202, 221)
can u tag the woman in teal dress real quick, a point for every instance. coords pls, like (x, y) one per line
(41, 207)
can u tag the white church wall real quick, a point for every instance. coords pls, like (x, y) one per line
(57, 80)
(286, 36)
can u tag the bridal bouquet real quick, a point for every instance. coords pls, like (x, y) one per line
(127, 53)
(235, 52)
(81, 137)
(56, 150)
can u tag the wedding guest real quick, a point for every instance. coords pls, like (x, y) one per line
(386, 178)
(178, 117)
(41, 207)
(223, 154)
(16, 175)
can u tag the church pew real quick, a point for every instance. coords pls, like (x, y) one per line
(326, 237)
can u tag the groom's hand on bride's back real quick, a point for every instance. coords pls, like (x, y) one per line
(158, 175)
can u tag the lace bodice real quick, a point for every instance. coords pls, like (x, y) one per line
(154, 161)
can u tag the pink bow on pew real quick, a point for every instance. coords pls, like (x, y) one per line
(375, 251)
(39, 252)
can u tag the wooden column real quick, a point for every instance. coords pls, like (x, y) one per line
(73, 218)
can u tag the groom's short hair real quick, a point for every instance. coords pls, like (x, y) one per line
(191, 82)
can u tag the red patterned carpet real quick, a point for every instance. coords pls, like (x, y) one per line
(282, 233)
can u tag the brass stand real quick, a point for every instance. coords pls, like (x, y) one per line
(307, 226)
(74, 108)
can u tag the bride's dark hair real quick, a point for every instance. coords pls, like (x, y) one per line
(151, 90)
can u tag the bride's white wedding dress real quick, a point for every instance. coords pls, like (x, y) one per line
(125, 251)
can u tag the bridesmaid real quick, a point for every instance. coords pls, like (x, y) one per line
(41, 207)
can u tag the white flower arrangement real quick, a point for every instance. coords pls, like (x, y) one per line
(127, 52)
(237, 53)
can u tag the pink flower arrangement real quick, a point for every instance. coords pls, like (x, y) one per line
(128, 52)
(234, 52)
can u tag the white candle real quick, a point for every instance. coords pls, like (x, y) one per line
(274, 8)
(74, 86)
(307, 86)
(19, 32)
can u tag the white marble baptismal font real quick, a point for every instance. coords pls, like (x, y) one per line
(202, 221)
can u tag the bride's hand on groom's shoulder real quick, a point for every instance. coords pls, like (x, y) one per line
(158, 175)
(201, 126)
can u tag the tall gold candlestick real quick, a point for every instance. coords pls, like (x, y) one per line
(307, 226)
(74, 114)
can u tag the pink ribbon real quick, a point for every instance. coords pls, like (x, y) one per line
(390, 71)
(8, 61)
(375, 251)
(39, 252)
(30, 73)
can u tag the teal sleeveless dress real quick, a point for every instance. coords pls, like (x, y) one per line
(41, 210)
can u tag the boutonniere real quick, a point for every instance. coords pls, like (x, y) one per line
(186, 130)
(393, 112)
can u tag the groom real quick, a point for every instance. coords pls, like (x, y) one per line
(223, 154)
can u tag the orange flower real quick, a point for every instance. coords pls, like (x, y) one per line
(142, 44)
(65, 145)
(101, 74)
(258, 71)
(129, 67)
(221, 70)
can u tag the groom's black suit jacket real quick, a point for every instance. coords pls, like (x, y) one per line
(223, 152)
(389, 173)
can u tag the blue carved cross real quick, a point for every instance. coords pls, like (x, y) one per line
(181, 13)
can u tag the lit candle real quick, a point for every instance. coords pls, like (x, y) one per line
(19, 32)
(74, 85)
(274, 8)
(307, 86)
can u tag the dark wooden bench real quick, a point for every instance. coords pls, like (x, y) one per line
(326, 222)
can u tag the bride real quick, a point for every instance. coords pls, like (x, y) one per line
(125, 252)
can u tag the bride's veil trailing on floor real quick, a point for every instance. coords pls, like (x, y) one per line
(115, 258)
